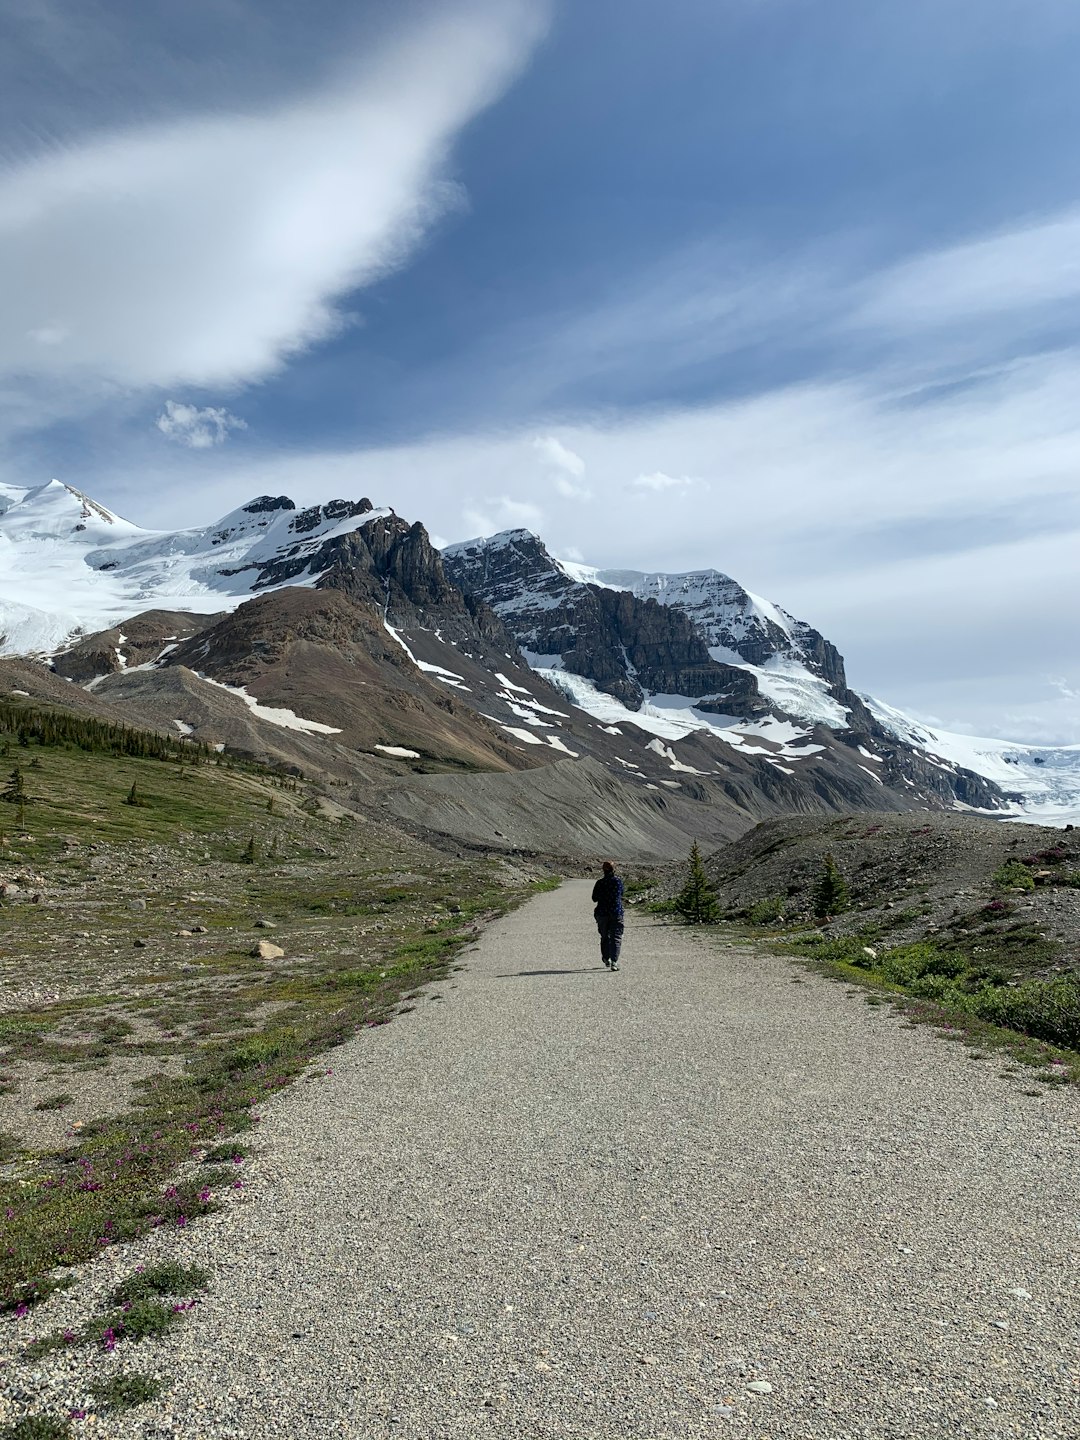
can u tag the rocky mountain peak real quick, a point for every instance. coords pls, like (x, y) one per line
(626, 645)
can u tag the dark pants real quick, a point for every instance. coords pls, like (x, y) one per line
(611, 933)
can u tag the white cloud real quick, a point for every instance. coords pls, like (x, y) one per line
(556, 453)
(198, 429)
(569, 467)
(658, 481)
(210, 249)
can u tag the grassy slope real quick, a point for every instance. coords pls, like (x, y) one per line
(190, 1031)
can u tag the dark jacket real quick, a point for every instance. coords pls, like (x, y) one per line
(607, 896)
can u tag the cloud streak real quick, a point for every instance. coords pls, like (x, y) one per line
(209, 250)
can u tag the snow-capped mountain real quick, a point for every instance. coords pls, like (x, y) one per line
(493, 654)
(68, 566)
(795, 667)
(794, 670)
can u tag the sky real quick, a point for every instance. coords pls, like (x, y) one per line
(788, 288)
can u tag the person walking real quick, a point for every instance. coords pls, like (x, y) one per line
(608, 912)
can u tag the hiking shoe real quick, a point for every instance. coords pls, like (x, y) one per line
(614, 965)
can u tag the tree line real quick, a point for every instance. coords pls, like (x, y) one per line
(24, 724)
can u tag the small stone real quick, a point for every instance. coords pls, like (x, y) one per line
(140, 944)
(869, 950)
(265, 925)
(1000, 1324)
(199, 930)
(264, 950)
(760, 1387)
(1021, 1293)
(137, 904)
(183, 934)
(647, 1360)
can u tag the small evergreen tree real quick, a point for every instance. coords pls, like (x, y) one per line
(248, 857)
(831, 894)
(133, 797)
(15, 790)
(696, 902)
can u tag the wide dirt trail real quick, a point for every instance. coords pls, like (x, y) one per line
(553, 1201)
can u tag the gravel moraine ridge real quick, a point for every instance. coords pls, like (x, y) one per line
(556, 1202)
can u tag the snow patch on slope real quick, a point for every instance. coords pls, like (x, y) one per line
(673, 717)
(273, 714)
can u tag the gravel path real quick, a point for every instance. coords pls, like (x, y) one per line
(554, 1202)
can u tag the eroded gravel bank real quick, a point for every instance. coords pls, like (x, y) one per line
(553, 1201)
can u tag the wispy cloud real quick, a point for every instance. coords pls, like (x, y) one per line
(658, 482)
(198, 429)
(210, 249)
(1020, 269)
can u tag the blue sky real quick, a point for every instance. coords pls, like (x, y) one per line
(786, 287)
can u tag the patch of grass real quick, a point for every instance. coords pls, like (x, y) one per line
(55, 1102)
(124, 1392)
(165, 1278)
(1043, 1011)
(36, 1427)
(221, 1154)
(139, 1319)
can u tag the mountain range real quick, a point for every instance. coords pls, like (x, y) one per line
(490, 692)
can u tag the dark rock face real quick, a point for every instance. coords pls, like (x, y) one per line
(394, 565)
(728, 617)
(624, 644)
(263, 504)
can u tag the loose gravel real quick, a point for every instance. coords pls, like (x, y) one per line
(694, 1198)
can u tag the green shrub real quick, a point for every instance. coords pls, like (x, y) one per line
(1013, 876)
(766, 912)
(1045, 1009)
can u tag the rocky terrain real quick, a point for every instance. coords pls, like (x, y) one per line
(1003, 896)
